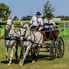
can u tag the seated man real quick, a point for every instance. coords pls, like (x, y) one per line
(48, 23)
(37, 21)
(48, 20)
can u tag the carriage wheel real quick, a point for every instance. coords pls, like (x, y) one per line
(60, 47)
(52, 51)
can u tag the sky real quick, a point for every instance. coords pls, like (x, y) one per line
(22, 8)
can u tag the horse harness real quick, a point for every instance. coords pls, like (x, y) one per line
(25, 38)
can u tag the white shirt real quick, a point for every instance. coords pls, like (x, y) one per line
(36, 21)
(50, 22)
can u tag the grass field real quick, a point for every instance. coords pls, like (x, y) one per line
(62, 33)
(42, 63)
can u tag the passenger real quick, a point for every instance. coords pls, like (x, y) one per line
(48, 20)
(36, 21)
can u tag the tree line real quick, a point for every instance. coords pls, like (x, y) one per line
(63, 17)
(28, 17)
(5, 12)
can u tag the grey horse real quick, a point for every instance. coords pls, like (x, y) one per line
(29, 40)
(11, 43)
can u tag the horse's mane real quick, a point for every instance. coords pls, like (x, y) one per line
(10, 18)
(27, 24)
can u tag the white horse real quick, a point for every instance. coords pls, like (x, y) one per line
(8, 42)
(33, 40)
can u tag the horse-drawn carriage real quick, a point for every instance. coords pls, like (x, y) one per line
(29, 40)
(56, 46)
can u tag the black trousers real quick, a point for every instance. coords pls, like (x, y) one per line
(45, 29)
(33, 27)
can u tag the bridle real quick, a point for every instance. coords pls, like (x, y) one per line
(11, 23)
(24, 31)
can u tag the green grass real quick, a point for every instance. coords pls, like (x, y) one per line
(42, 63)
(62, 33)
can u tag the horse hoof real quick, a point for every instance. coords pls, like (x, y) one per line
(33, 61)
(7, 60)
(9, 64)
(20, 63)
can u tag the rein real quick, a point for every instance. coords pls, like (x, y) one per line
(32, 32)
(29, 34)
(15, 32)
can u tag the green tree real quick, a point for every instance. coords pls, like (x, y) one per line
(15, 18)
(60, 16)
(65, 18)
(28, 17)
(48, 9)
(4, 11)
(23, 18)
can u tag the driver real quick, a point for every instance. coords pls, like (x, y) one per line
(48, 20)
(36, 21)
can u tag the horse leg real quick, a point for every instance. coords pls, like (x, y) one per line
(6, 54)
(21, 55)
(27, 50)
(13, 48)
(37, 52)
(16, 56)
(33, 56)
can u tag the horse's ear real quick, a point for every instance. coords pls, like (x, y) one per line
(21, 24)
(9, 17)
(12, 17)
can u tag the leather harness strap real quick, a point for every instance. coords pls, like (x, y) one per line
(32, 32)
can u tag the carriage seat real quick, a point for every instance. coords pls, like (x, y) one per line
(47, 34)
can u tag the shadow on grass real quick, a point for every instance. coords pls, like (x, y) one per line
(16, 61)
(29, 59)
(43, 57)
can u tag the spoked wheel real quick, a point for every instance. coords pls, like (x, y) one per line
(52, 51)
(60, 47)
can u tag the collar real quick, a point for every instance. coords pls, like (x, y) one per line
(47, 19)
(37, 18)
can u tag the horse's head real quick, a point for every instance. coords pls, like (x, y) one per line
(9, 23)
(23, 30)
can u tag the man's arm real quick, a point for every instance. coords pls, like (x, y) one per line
(45, 21)
(41, 22)
(31, 21)
(53, 23)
